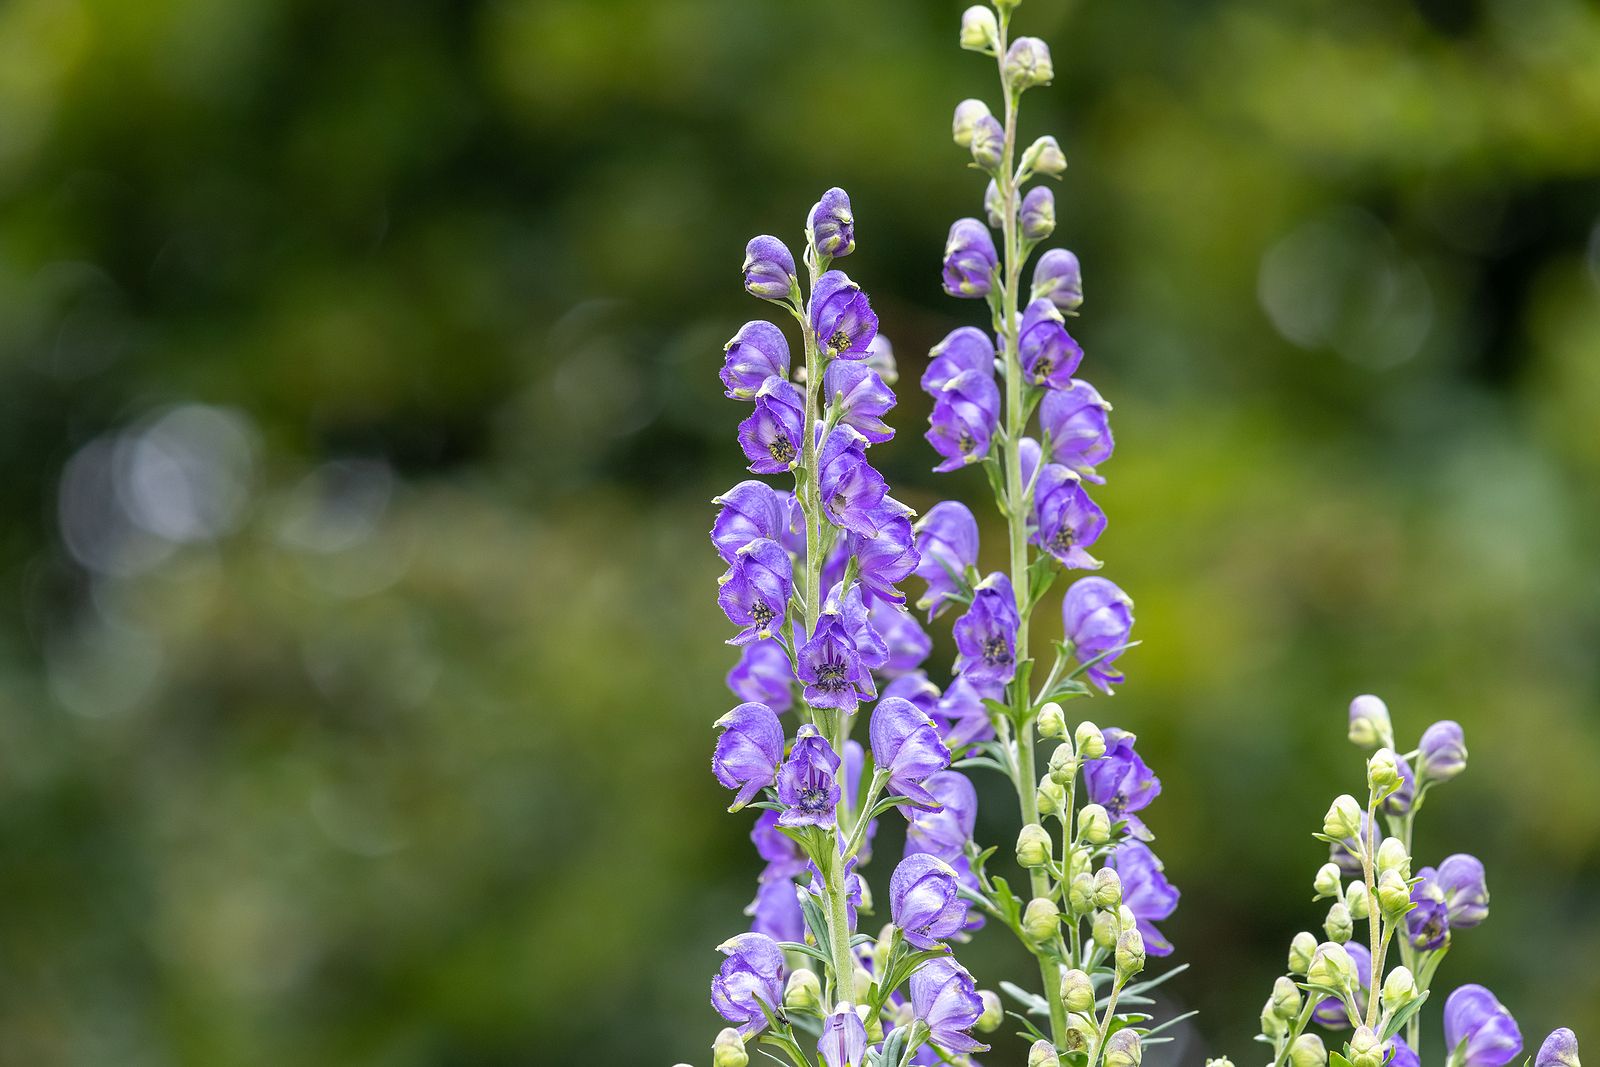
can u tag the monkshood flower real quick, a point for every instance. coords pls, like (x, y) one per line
(1058, 278)
(962, 716)
(844, 1039)
(853, 892)
(1075, 423)
(860, 398)
(945, 999)
(947, 543)
(925, 900)
(748, 752)
(833, 228)
(1097, 617)
(771, 436)
(909, 645)
(1455, 896)
(1048, 354)
(986, 636)
(1066, 521)
(757, 352)
(763, 675)
(967, 348)
(832, 669)
(852, 489)
(987, 143)
(905, 742)
(842, 318)
(808, 784)
(776, 911)
(1145, 892)
(769, 269)
(1427, 924)
(1560, 1049)
(970, 259)
(965, 415)
(750, 511)
(850, 606)
(1478, 1030)
(1027, 63)
(750, 976)
(1442, 753)
(1330, 1011)
(1038, 217)
(915, 687)
(945, 832)
(1121, 782)
(1402, 1054)
(755, 591)
(886, 559)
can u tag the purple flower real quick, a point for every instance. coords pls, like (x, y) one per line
(783, 855)
(915, 687)
(1121, 782)
(832, 227)
(757, 352)
(860, 397)
(1442, 752)
(986, 636)
(961, 713)
(905, 742)
(1454, 896)
(1428, 924)
(1478, 1030)
(1402, 1054)
(1079, 431)
(1038, 216)
(908, 644)
(755, 591)
(851, 607)
(768, 269)
(844, 1039)
(944, 998)
(750, 976)
(748, 752)
(1146, 892)
(851, 488)
(776, 911)
(763, 674)
(1066, 521)
(1048, 354)
(965, 415)
(925, 900)
(986, 142)
(970, 260)
(944, 833)
(947, 541)
(808, 784)
(964, 349)
(1097, 617)
(842, 318)
(884, 561)
(1330, 1011)
(771, 436)
(1058, 279)
(1560, 1049)
(750, 511)
(831, 667)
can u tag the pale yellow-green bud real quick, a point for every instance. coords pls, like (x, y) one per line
(1033, 846)
(1399, 989)
(1043, 1054)
(1369, 722)
(1041, 919)
(1383, 772)
(1126, 919)
(1392, 856)
(1272, 1026)
(1052, 798)
(1219, 1061)
(1081, 1030)
(862, 983)
(1080, 895)
(866, 898)
(1286, 1001)
(1327, 883)
(1063, 766)
(968, 114)
(1332, 967)
(1394, 896)
(1301, 951)
(1365, 1048)
(1130, 953)
(1343, 819)
(1338, 925)
(1090, 742)
(979, 30)
(1105, 929)
(1077, 992)
(872, 1021)
(1080, 862)
(1122, 1049)
(1052, 722)
(1107, 888)
(994, 1012)
(1356, 900)
(1308, 1051)
(728, 1049)
(1094, 824)
(803, 991)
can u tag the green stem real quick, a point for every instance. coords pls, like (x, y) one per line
(1105, 1023)
(1295, 1032)
(1369, 848)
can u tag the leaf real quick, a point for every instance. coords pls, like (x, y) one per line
(1336, 1060)
(809, 950)
(1399, 1018)
(1032, 1001)
(816, 921)
(1030, 1032)
(1175, 1020)
(981, 761)
(1150, 983)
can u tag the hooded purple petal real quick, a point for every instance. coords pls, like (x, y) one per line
(749, 751)
(966, 413)
(944, 833)
(1097, 617)
(986, 636)
(970, 259)
(925, 900)
(808, 784)
(757, 352)
(860, 397)
(768, 269)
(749, 511)
(1078, 423)
(832, 226)
(963, 349)
(842, 317)
(1066, 521)
(1145, 891)
(905, 742)
(944, 997)
(750, 976)
(844, 1039)
(771, 436)
(1478, 1025)
(763, 675)
(755, 591)
(1120, 781)
(947, 543)
(1048, 354)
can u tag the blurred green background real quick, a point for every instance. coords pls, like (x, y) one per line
(360, 419)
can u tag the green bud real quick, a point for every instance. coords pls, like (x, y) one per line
(1077, 992)
(1080, 862)
(1107, 888)
(1355, 899)
(866, 898)
(1399, 989)
(1286, 1002)
(1080, 895)
(1394, 896)
(1328, 882)
(1332, 967)
(1130, 953)
(1081, 1030)
(968, 114)
(1272, 1026)
(1105, 928)
(994, 1012)
(803, 992)
(1392, 856)
(1033, 846)
(1365, 1048)
(1063, 766)
(1301, 951)
(872, 1021)
(1383, 772)
(862, 983)
(1051, 797)
(1091, 743)
(728, 1049)
(1122, 1049)
(1043, 1054)
(979, 30)
(1338, 925)
(1343, 819)
(1052, 723)
(1094, 824)
(1041, 919)
(1308, 1051)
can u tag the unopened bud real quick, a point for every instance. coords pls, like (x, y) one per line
(1301, 951)
(1369, 722)
(1080, 895)
(1052, 798)
(968, 114)
(1365, 1048)
(994, 208)
(1271, 1026)
(1285, 998)
(1090, 742)
(1094, 824)
(1052, 722)
(1041, 919)
(1392, 856)
(1338, 925)
(1442, 752)
(1063, 766)
(872, 1021)
(803, 991)
(987, 144)
(1027, 63)
(1399, 989)
(1033, 846)
(1356, 900)
(1044, 157)
(1219, 1061)
(979, 30)
(1080, 862)
(1043, 1054)
(728, 1049)
(1130, 953)
(1332, 967)
(1383, 772)
(1081, 1030)
(1328, 881)
(1394, 896)
(1308, 1051)
(1038, 215)
(1105, 929)
(1107, 888)
(1122, 1049)
(1077, 991)
(1343, 819)
(994, 1012)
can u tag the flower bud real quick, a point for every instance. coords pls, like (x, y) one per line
(1355, 898)
(1383, 772)
(1560, 1049)
(1094, 824)
(1286, 1000)
(872, 1021)
(1081, 1030)
(1043, 1054)
(979, 30)
(1033, 846)
(832, 227)
(1063, 765)
(994, 208)
(968, 114)
(1399, 989)
(994, 1012)
(863, 982)
(1339, 926)
(1332, 967)
(1058, 278)
(1038, 214)
(769, 269)
(1105, 929)
(1122, 1049)
(1328, 882)
(1301, 951)
(1343, 819)
(1394, 896)
(1044, 157)
(1080, 862)
(1027, 63)
(1080, 894)
(1308, 1051)
(728, 1049)
(1107, 888)
(1051, 797)
(1365, 1048)
(803, 992)
(1051, 722)
(1369, 722)
(1126, 919)
(1087, 738)
(1077, 991)
(1272, 1026)
(1041, 919)
(1442, 752)
(1219, 1061)
(1392, 856)
(1130, 953)
(988, 143)
(970, 259)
